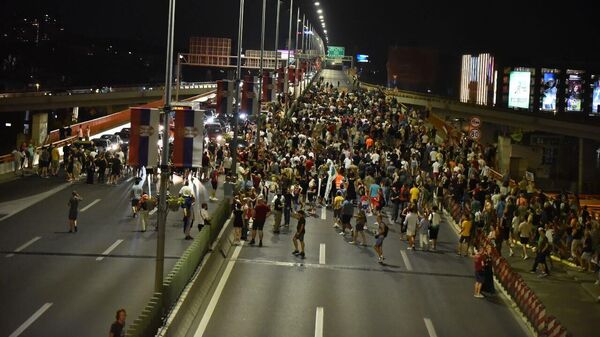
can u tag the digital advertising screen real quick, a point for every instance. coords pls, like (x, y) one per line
(519, 85)
(549, 91)
(574, 94)
(596, 97)
(362, 58)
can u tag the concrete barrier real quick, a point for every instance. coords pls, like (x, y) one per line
(154, 315)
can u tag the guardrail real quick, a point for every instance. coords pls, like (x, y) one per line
(154, 313)
(532, 308)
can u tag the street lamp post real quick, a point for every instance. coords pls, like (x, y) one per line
(287, 62)
(260, 73)
(296, 51)
(164, 160)
(178, 77)
(236, 110)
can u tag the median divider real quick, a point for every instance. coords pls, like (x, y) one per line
(165, 309)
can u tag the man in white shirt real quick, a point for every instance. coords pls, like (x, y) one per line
(411, 222)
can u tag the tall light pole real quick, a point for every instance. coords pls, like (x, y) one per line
(236, 110)
(260, 73)
(296, 51)
(277, 35)
(287, 62)
(164, 159)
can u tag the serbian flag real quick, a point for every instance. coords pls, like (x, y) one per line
(249, 96)
(188, 143)
(269, 92)
(224, 96)
(143, 139)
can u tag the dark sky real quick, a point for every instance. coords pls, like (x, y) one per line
(525, 27)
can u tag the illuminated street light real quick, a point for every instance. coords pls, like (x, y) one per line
(317, 3)
(319, 11)
(321, 17)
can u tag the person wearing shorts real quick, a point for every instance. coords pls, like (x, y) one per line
(361, 220)
(479, 274)
(382, 232)
(261, 211)
(465, 236)
(298, 238)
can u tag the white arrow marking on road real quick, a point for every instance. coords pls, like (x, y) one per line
(322, 254)
(31, 319)
(217, 294)
(25, 245)
(319, 322)
(90, 205)
(107, 251)
(430, 328)
(323, 213)
(406, 260)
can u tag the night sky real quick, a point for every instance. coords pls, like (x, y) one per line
(529, 28)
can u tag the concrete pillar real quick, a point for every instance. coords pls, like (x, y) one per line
(503, 154)
(39, 128)
(580, 168)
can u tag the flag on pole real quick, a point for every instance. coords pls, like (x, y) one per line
(143, 139)
(269, 91)
(250, 96)
(188, 143)
(225, 92)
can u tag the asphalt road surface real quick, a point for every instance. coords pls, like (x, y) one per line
(58, 284)
(341, 290)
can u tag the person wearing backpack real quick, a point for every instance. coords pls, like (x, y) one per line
(382, 232)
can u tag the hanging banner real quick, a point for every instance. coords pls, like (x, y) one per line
(249, 104)
(188, 143)
(269, 93)
(280, 79)
(225, 93)
(143, 138)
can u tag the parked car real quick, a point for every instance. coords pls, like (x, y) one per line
(214, 131)
(115, 141)
(124, 137)
(101, 144)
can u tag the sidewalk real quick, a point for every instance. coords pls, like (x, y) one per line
(568, 294)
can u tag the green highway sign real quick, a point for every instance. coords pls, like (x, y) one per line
(334, 51)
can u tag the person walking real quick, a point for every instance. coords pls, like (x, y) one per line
(73, 211)
(298, 238)
(214, 181)
(424, 226)
(261, 211)
(238, 219)
(136, 195)
(278, 202)
(542, 250)
(359, 228)
(382, 232)
(525, 228)
(144, 206)
(479, 273)
(435, 220)
(346, 214)
(465, 236)
(117, 329)
(411, 222)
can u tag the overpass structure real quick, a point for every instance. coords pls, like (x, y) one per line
(506, 117)
(37, 101)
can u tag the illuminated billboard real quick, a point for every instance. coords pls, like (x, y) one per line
(478, 78)
(519, 86)
(549, 90)
(574, 91)
(595, 111)
(362, 58)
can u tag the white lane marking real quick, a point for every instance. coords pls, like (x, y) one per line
(322, 254)
(129, 179)
(153, 211)
(406, 260)
(108, 250)
(90, 205)
(430, 328)
(13, 207)
(217, 294)
(319, 322)
(323, 213)
(31, 319)
(25, 245)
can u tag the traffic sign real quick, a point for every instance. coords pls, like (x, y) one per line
(336, 51)
(475, 122)
(474, 134)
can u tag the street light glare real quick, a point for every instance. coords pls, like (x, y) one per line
(321, 17)
(319, 11)
(317, 3)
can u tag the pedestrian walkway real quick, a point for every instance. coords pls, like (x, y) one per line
(567, 293)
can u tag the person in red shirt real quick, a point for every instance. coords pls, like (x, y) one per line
(261, 211)
(479, 272)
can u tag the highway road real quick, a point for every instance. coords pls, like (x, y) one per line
(58, 284)
(341, 290)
